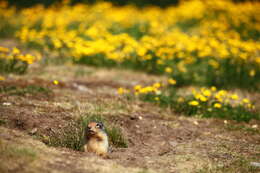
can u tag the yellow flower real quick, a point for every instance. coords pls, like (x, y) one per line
(2, 78)
(257, 60)
(137, 87)
(217, 105)
(122, 91)
(214, 64)
(159, 61)
(245, 101)
(252, 73)
(157, 85)
(55, 82)
(250, 106)
(206, 93)
(213, 88)
(4, 49)
(180, 99)
(168, 69)
(222, 92)
(202, 98)
(172, 81)
(194, 103)
(234, 97)
(157, 98)
(15, 51)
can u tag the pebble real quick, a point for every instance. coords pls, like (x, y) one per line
(255, 164)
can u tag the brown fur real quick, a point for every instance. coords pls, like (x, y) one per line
(96, 139)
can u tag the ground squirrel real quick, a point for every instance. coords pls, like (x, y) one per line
(96, 139)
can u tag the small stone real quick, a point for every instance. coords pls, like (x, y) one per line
(173, 144)
(255, 164)
(7, 104)
(196, 123)
(33, 131)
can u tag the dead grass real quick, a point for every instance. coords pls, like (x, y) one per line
(239, 165)
(12, 156)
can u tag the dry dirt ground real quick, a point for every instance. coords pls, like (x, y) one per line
(158, 140)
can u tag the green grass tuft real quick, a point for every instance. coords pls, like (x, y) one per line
(72, 136)
(30, 89)
(115, 135)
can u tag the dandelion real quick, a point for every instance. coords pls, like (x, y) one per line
(217, 105)
(2, 78)
(4, 49)
(157, 85)
(257, 60)
(137, 87)
(245, 101)
(15, 51)
(213, 88)
(121, 91)
(172, 81)
(180, 100)
(206, 93)
(234, 96)
(202, 98)
(194, 103)
(252, 73)
(168, 70)
(55, 82)
(157, 98)
(250, 106)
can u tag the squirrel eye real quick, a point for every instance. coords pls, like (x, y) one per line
(99, 125)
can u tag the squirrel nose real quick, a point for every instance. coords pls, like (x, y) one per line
(89, 129)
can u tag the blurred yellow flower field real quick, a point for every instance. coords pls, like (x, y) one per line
(197, 42)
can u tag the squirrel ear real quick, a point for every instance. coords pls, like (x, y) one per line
(101, 125)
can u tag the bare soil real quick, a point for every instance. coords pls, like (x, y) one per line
(158, 139)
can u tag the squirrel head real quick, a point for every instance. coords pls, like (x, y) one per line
(95, 127)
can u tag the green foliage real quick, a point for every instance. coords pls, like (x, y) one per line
(97, 60)
(13, 66)
(30, 89)
(6, 28)
(237, 113)
(72, 136)
(239, 165)
(191, 106)
(14, 152)
(250, 130)
(2, 122)
(115, 135)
